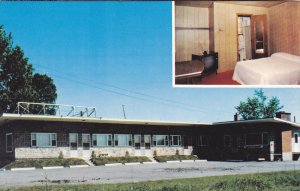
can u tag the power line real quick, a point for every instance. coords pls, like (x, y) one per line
(119, 93)
(130, 91)
(155, 98)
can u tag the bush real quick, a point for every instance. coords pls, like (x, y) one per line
(39, 163)
(175, 157)
(127, 154)
(61, 155)
(126, 159)
(93, 156)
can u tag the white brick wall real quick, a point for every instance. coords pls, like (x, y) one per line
(105, 151)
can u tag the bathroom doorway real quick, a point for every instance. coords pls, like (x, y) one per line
(244, 37)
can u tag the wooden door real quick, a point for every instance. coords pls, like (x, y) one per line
(259, 36)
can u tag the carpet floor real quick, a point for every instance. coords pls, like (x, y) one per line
(223, 78)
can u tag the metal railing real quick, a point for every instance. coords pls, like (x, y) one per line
(55, 109)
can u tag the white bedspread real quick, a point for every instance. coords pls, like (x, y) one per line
(279, 69)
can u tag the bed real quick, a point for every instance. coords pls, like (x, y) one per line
(278, 69)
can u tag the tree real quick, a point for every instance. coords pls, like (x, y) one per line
(18, 82)
(259, 106)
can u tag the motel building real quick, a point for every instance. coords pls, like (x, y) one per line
(77, 134)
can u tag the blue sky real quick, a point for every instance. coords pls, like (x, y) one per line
(103, 53)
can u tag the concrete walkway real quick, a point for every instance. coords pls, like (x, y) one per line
(142, 172)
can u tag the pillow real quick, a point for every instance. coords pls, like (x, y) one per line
(286, 56)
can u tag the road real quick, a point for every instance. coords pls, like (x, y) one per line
(135, 173)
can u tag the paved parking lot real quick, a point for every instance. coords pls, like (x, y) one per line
(142, 172)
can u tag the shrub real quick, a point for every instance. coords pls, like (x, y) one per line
(155, 154)
(127, 154)
(93, 156)
(177, 152)
(61, 155)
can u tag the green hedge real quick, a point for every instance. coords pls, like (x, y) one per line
(39, 163)
(175, 157)
(109, 160)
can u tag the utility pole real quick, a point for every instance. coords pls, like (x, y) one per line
(123, 106)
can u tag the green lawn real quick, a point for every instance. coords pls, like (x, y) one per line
(289, 180)
(39, 163)
(175, 157)
(126, 159)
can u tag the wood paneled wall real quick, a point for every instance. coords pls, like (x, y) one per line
(225, 31)
(190, 41)
(284, 25)
(211, 28)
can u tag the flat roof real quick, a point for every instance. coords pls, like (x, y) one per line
(6, 117)
(266, 120)
(11, 117)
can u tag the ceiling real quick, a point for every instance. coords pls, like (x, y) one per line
(246, 3)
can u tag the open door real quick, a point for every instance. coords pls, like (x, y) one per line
(259, 39)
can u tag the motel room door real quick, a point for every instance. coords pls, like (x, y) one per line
(137, 145)
(259, 36)
(86, 145)
(73, 142)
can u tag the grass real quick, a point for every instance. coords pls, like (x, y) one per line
(288, 180)
(175, 157)
(39, 163)
(108, 160)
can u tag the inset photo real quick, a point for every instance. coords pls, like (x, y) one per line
(236, 43)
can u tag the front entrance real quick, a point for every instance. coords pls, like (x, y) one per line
(73, 142)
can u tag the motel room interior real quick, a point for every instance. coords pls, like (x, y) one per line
(237, 43)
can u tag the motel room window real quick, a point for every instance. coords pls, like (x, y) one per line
(265, 138)
(123, 140)
(175, 140)
(227, 141)
(254, 139)
(102, 140)
(160, 140)
(9, 143)
(296, 137)
(43, 139)
(202, 140)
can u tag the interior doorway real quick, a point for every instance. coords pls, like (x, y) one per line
(244, 37)
(252, 37)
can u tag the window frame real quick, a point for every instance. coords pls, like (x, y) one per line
(12, 147)
(230, 141)
(107, 143)
(36, 140)
(166, 142)
(262, 138)
(129, 142)
(172, 140)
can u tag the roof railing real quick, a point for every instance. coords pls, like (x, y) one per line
(55, 109)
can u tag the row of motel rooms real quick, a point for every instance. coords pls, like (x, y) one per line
(40, 136)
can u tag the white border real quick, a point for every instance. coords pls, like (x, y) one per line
(210, 86)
